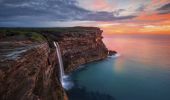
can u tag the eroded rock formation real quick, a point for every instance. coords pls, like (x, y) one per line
(29, 69)
(80, 46)
(29, 75)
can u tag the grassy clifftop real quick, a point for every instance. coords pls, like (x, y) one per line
(35, 34)
(21, 35)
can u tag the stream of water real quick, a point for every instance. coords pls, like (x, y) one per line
(64, 79)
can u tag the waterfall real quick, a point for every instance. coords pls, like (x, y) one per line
(60, 61)
(64, 79)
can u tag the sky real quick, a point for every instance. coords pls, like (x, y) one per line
(112, 16)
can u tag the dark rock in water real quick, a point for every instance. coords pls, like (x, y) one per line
(111, 53)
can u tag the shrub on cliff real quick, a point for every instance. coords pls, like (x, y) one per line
(21, 35)
(35, 36)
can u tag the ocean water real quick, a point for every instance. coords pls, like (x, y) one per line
(141, 72)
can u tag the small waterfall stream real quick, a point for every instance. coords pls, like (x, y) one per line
(64, 79)
(60, 61)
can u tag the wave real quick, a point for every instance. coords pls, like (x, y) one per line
(115, 56)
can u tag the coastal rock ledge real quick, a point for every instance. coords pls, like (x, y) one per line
(29, 68)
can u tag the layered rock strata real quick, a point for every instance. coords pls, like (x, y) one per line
(29, 69)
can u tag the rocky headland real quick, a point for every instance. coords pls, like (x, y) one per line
(29, 65)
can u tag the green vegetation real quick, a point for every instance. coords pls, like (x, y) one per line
(39, 34)
(35, 36)
(55, 29)
(20, 34)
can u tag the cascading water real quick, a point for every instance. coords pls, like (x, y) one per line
(60, 61)
(64, 79)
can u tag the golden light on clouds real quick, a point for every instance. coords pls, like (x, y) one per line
(134, 28)
(143, 24)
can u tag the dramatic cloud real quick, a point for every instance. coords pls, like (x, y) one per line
(117, 12)
(51, 13)
(50, 10)
(165, 9)
(141, 8)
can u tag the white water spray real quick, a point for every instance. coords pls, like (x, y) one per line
(115, 55)
(64, 79)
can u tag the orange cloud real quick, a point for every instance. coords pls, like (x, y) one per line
(153, 17)
(136, 28)
(101, 5)
(150, 11)
(120, 28)
(148, 21)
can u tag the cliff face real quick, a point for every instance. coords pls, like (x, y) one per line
(82, 47)
(79, 46)
(29, 70)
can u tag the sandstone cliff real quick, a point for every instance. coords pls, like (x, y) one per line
(28, 72)
(79, 46)
(29, 68)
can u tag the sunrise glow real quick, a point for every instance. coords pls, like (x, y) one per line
(112, 16)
